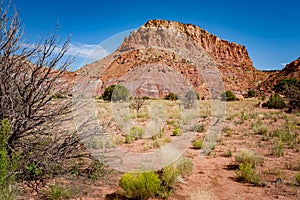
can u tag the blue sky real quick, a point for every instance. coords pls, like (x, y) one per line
(269, 29)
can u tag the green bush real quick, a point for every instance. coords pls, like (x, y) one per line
(8, 164)
(275, 101)
(57, 192)
(149, 184)
(177, 132)
(251, 93)
(96, 170)
(169, 176)
(141, 185)
(248, 174)
(136, 132)
(128, 139)
(290, 87)
(182, 167)
(146, 98)
(171, 96)
(199, 128)
(108, 93)
(278, 149)
(284, 84)
(293, 95)
(116, 93)
(228, 153)
(247, 156)
(228, 96)
(59, 96)
(32, 172)
(197, 144)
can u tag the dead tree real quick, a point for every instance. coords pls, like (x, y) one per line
(137, 104)
(30, 77)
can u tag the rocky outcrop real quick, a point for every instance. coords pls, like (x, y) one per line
(291, 70)
(221, 50)
(184, 50)
(164, 70)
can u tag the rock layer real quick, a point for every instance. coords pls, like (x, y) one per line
(177, 46)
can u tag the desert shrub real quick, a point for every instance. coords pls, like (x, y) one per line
(278, 149)
(128, 139)
(284, 84)
(146, 98)
(201, 195)
(141, 185)
(120, 93)
(247, 156)
(137, 104)
(293, 94)
(227, 130)
(251, 93)
(260, 130)
(228, 153)
(197, 144)
(136, 132)
(57, 192)
(32, 172)
(59, 96)
(248, 174)
(177, 132)
(297, 177)
(182, 167)
(96, 170)
(169, 176)
(275, 101)
(228, 96)
(8, 164)
(199, 128)
(171, 96)
(115, 93)
(108, 93)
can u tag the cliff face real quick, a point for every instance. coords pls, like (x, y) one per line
(161, 70)
(221, 50)
(186, 51)
(291, 70)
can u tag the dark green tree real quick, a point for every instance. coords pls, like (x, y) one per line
(171, 96)
(251, 93)
(108, 92)
(116, 93)
(275, 101)
(228, 96)
(284, 84)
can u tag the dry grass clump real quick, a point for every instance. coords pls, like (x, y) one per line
(247, 156)
(202, 195)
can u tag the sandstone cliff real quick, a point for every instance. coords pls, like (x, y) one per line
(186, 51)
(291, 70)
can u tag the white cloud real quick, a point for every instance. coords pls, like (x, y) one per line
(87, 51)
(284, 64)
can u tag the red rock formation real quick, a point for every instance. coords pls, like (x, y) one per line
(174, 44)
(292, 70)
